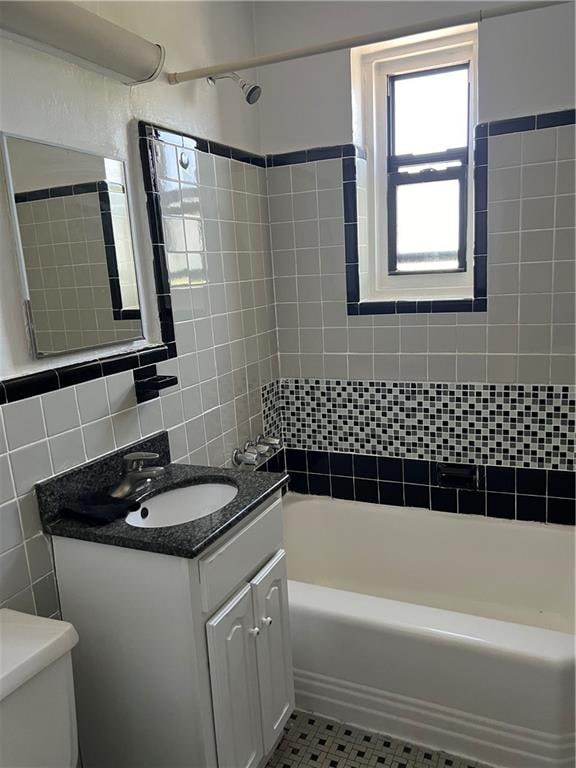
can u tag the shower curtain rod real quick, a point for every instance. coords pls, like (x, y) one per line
(175, 78)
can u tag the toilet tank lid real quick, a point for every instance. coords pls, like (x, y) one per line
(28, 644)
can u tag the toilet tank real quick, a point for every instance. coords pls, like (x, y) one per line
(37, 714)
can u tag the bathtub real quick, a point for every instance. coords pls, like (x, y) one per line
(452, 631)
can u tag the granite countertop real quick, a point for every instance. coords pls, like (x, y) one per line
(186, 540)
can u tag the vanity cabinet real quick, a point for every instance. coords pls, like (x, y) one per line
(250, 669)
(181, 662)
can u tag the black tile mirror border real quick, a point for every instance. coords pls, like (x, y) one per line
(41, 382)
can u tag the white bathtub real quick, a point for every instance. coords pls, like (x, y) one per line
(452, 631)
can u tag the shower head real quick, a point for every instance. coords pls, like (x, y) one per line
(251, 91)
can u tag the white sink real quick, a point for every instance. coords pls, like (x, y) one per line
(182, 505)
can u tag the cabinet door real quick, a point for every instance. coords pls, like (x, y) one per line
(274, 653)
(234, 680)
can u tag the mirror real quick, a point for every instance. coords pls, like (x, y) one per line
(77, 256)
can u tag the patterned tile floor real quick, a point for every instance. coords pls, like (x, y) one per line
(311, 741)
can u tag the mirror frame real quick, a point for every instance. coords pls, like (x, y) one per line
(48, 380)
(118, 312)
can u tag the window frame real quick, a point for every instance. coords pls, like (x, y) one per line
(396, 179)
(371, 66)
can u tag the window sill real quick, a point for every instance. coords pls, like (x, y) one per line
(401, 307)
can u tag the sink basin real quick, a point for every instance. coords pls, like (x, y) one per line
(182, 505)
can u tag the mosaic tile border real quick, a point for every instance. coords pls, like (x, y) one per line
(514, 425)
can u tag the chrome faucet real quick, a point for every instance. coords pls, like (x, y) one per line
(274, 443)
(138, 474)
(257, 448)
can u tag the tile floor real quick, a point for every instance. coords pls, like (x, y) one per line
(311, 741)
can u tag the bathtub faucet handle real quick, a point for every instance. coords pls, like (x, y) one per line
(239, 458)
(257, 448)
(271, 440)
(267, 620)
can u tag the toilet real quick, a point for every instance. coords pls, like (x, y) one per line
(37, 713)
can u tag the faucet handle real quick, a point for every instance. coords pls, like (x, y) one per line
(271, 440)
(239, 458)
(134, 462)
(257, 448)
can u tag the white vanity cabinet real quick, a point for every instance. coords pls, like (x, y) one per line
(250, 668)
(181, 663)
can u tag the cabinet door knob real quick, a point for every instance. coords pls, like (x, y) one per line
(267, 620)
(254, 631)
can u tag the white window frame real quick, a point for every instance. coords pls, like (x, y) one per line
(371, 67)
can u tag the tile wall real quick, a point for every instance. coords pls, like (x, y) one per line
(526, 335)
(66, 266)
(220, 274)
(233, 298)
(502, 492)
(494, 388)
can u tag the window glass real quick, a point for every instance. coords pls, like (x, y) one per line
(428, 222)
(430, 111)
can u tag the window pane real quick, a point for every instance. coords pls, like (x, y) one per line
(431, 112)
(427, 225)
(429, 166)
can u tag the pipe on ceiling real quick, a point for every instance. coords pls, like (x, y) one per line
(66, 30)
(472, 17)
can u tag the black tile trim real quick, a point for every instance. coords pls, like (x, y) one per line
(480, 262)
(537, 495)
(556, 119)
(149, 131)
(118, 311)
(512, 125)
(22, 387)
(65, 191)
(526, 123)
(334, 152)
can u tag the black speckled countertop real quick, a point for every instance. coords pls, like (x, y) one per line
(186, 540)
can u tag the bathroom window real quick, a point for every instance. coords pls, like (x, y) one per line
(417, 98)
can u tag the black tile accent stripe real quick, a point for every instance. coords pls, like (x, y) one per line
(526, 123)
(345, 151)
(536, 495)
(149, 131)
(41, 382)
(154, 132)
(67, 191)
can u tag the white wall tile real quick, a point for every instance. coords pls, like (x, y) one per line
(10, 528)
(14, 576)
(60, 411)
(24, 422)
(30, 465)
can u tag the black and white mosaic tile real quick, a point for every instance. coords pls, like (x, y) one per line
(311, 741)
(271, 412)
(514, 425)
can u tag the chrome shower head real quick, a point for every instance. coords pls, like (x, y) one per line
(251, 91)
